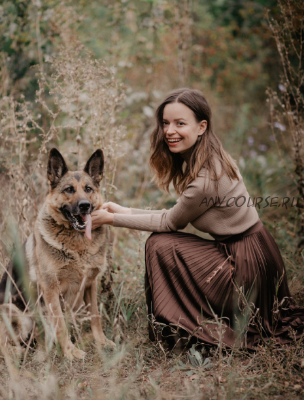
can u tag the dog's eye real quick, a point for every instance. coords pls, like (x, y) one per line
(70, 189)
(88, 189)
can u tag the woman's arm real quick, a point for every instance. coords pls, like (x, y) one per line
(137, 211)
(101, 217)
(189, 207)
(115, 208)
(106, 214)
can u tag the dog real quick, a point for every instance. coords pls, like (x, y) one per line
(64, 258)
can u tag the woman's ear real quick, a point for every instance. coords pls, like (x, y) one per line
(203, 127)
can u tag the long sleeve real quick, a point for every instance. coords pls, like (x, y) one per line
(189, 207)
(138, 211)
(221, 213)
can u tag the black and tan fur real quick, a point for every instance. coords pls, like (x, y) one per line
(61, 259)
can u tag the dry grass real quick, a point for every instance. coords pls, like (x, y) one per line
(140, 369)
(77, 110)
(287, 105)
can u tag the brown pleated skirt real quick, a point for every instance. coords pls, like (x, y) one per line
(233, 292)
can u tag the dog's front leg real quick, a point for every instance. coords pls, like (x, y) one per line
(90, 298)
(57, 319)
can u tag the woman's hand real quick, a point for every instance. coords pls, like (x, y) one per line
(101, 217)
(115, 208)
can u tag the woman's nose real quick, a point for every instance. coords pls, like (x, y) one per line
(171, 129)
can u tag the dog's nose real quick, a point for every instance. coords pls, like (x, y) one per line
(84, 206)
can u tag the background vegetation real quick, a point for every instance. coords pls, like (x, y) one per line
(84, 74)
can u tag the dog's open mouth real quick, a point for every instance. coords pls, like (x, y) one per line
(80, 222)
(77, 221)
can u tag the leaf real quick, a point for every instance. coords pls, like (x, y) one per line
(193, 361)
(195, 358)
(198, 357)
(181, 366)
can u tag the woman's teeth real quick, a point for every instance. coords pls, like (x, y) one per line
(174, 140)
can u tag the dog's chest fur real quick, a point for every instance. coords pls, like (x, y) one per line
(62, 257)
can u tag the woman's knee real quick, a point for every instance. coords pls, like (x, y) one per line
(156, 240)
(152, 239)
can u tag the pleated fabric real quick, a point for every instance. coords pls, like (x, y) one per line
(233, 292)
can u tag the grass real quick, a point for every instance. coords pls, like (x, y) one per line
(141, 369)
(79, 118)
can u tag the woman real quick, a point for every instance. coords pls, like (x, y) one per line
(232, 289)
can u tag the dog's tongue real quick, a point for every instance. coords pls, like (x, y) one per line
(88, 219)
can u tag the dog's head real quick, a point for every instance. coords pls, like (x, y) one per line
(73, 195)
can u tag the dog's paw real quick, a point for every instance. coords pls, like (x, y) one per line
(104, 342)
(109, 344)
(77, 353)
(72, 352)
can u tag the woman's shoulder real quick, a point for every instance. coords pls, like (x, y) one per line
(202, 183)
(218, 168)
(214, 179)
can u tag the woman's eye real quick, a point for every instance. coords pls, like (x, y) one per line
(165, 123)
(69, 189)
(88, 189)
(180, 123)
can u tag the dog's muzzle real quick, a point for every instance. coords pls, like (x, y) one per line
(77, 216)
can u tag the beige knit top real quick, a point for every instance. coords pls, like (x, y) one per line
(221, 214)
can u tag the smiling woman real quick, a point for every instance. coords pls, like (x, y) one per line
(190, 281)
(186, 115)
(181, 133)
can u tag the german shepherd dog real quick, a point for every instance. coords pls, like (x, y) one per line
(63, 257)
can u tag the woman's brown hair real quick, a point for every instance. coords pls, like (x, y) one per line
(167, 166)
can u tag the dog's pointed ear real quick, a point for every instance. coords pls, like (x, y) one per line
(94, 166)
(56, 167)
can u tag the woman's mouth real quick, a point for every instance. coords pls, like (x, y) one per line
(173, 142)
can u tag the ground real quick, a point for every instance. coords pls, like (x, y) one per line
(141, 369)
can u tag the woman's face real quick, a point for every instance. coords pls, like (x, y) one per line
(181, 128)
